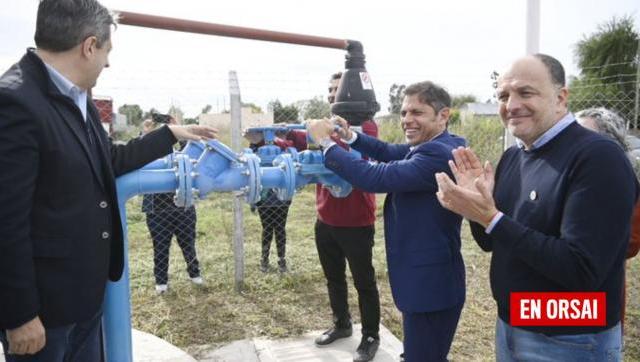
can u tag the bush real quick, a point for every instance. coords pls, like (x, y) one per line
(484, 135)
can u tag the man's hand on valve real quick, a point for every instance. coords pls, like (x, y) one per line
(343, 129)
(193, 132)
(320, 130)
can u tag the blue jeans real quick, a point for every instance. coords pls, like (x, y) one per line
(517, 344)
(79, 342)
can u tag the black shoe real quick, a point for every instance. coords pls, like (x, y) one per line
(332, 334)
(402, 357)
(282, 266)
(264, 265)
(367, 349)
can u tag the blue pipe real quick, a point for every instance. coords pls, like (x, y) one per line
(218, 169)
(117, 304)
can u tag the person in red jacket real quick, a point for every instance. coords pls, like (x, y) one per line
(344, 233)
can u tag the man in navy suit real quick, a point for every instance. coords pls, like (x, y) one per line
(60, 231)
(426, 270)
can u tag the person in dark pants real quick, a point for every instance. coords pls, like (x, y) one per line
(60, 231)
(344, 233)
(273, 217)
(164, 220)
(272, 211)
(426, 269)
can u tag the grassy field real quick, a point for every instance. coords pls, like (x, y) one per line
(276, 306)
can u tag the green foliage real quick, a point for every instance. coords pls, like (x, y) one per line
(133, 113)
(316, 108)
(484, 135)
(254, 108)
(608, 60)
(396, 94)
(454, 117)
(611, 51)
(458, 101)
(283, 114)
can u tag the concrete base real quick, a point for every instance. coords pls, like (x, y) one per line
(149, 348)
(303, 349)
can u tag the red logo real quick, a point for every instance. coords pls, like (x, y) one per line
(558, 309)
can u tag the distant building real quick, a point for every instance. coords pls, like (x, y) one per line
(478, 110)
(248, 117)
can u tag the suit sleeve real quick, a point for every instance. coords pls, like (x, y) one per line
(19, 162)
(379, 150)
(416, 173)
(140, 151)
(482, 239)
(594, 226)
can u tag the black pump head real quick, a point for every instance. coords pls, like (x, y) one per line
(355, 99)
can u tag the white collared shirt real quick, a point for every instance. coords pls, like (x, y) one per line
(66, 87)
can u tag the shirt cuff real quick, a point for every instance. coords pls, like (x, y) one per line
(493, 222)
(354, 137)
(326, 144)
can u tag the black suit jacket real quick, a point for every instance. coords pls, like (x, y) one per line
(60, 230)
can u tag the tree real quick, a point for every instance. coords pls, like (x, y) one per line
(608, 61)
(316, 108)
(396, 94)
(133, 113)
(206, 109)
(254, 108)
(283, 114)
(460, 100)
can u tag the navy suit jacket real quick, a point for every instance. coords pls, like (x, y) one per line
(426, 270)
(60, 230)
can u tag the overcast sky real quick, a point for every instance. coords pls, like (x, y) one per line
(455, 43)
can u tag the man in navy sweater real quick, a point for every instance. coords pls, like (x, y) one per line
(422, 239)
(556, 215)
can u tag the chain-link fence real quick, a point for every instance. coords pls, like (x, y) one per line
(605, 87)
(165, 223)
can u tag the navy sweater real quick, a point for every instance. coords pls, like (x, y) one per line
(567, 209)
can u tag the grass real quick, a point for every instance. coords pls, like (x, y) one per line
(276, 306)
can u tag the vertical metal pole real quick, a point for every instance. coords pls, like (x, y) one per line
(533, 26)
(533, 47)
(238, 230)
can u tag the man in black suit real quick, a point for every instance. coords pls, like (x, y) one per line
(60, 231)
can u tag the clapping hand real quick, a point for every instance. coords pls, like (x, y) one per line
(472, 194)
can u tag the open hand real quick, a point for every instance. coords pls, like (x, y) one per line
(193, 132)
(472, 196)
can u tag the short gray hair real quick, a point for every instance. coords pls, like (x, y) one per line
(609, 124)
(63, 24)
